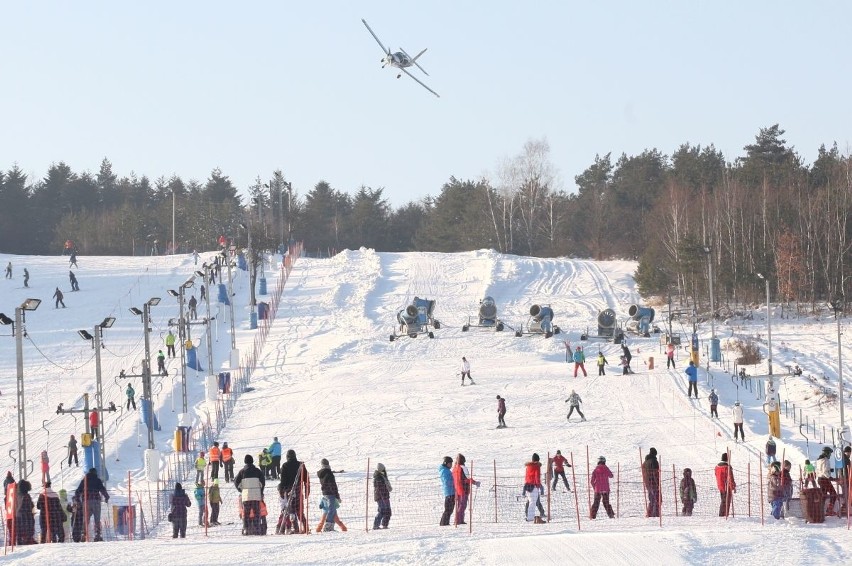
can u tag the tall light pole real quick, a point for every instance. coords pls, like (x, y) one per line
(147, 395)
(95, 338)
(773, 401)
(183, 336)
(715, 350)
(173, 221)
(19, 330)
(837, 305)
(205, 276)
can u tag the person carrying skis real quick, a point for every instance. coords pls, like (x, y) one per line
(670, 352)
(501, 412)
(714, 402)
(574, 400)
(725, 484)
(559, 465)
(601, 363)
(651, 477)
(59, 298)
(131, 397)
(465, 370)
(170, 344)
(600, 482)
(381, 493)
(448, 490)
(692, 375)
(737, 411)
(579, 361)
(688, 492)
(532, 487)
(293, 488)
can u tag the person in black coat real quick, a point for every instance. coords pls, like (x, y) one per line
(294, 486)
(24, 518)
(52, 516)
(179, 504)
(330, 499)
(250, 482)
(90, 491)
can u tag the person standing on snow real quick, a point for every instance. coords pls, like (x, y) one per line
(601, 363)
(214, 497)
(579, 361)
(73, 259)
(461, 483)
(26, 277)
(688, 492)
(771, 449)
(9, 270)
(465, 370)
(651, 476)
(52, 516)
(250, 482)
(381, 493)
(59, 298)
(726, 485)
(178, 505)
(293, 487)
(72, 451)
(692, 374)
(131, 397)
(193, 308)
(228, 462)
(199, 500)
(737, 411)
(501, 412)
(161, 363)
(330, 499)
(275, 452)
(200, 466)
(574, 400)
(824, 479)
(559, 465)
(90, 491)
(215, 455)
(670, 352)
(447, 489)
(600, 482)
(775, 493)
(170, 344)
(532, 487)
(627, 357)
(714, 402)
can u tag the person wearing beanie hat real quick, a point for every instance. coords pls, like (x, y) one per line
(559, 464)
(447, 489)
(651, 477)
(770, 451)
(775, 492)
(532, 487)
(200, 465)
(250, 483)
(574, 402)
(51, 515)
(501, 412)
(293, 488)
(824, 479)
(275, 453)
(725, 484)
(178, 505)
(24, 526)
(688, 492)
(330, 499)
(200, 494)
(381, 493)
(214, 498)
(600, 482)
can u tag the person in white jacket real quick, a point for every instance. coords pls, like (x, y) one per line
(465, 370)
(738, 420)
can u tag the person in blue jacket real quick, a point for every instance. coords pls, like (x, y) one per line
(692, 374)
(275, 451)
(448, 489)
(199, 500)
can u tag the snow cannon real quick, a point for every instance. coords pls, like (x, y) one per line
(606, 322)
(487, 316)
(540, 322)
(416, 318)
(644, 316)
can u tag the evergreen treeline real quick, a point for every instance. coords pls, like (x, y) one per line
(765, 212)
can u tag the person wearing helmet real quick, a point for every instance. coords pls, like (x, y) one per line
(824, 479)
(600, 482)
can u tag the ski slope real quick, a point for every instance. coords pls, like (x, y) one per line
(330, 384)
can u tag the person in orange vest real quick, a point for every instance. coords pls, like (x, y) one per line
(215, 460)
(228, 462)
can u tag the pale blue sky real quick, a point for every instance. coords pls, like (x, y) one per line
(182, 87)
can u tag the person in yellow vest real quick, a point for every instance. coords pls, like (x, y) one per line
(228, 462)
(264, 460)
(200, 464)
(170, 344)
(215, 461)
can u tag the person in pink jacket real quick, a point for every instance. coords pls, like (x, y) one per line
(600, 481)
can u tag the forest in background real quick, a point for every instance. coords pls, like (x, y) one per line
(765, 212)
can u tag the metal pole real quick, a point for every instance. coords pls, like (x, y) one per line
(209, 331)
(840, 373)
(22, 428)
(99, 396)
(146, 372)
(173, 221)
(231, 303)
(712, 304)
(768, 329)
(182, 335)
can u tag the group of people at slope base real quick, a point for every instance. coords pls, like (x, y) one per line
(55, 512)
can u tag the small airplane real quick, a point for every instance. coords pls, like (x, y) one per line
(400, 59)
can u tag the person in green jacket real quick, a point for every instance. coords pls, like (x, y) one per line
(601, 363)
(215, 500)
(170, 344)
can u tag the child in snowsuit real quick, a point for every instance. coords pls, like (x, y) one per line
(810, 474)
(575, 401)
(600, 481)
(601, 364)
(381, 493)
(199, 500)
(688, 492)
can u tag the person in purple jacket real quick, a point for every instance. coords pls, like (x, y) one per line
(501, 412)
(600, 481)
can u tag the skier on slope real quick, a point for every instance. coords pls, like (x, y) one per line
(579, 361)
(574, 400)
(501, 412)
(601, 363)
(465, 370)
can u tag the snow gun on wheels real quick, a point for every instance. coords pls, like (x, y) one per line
(641, 319)
(540, 322)
(487, 316)
(607, 326)
(416, 319)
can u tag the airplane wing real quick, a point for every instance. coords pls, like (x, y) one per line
(421, 83)
(414, 60)
(384, 49)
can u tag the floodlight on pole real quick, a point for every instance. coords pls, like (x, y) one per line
(18, 331)
(146, 367)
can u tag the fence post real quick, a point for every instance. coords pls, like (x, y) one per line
(576, 497)
(495, 490)
(470, 503)
(748, 471)
(660, 490)
(760, 463)
(674, 488)
(547, 478)
(618, 490)
(367, 499)
(588, 481)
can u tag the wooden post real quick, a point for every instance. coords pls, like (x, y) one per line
(618, 489)
(576, 497)
(367, 499)
(674, 488)
(495, 491)
(760, 463)
(588, 480)
(547, 479)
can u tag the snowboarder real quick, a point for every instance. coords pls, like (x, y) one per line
(26, 277)
(465, 370)
(651, 476)
(58, 296)
(600, 481)
(73, 259)
(670, 352)
(447, 489)
(131, 397)
(770, 451)
(532, 487)
(559, 465)
(688, 492)
(9, 270)
(170, 344)
(215, 500)
(73, 278)
(714, 402)
(90, 491)
(250, 482)
(579, 361)
(381, 493)
(193, 304)
(72, 451)
(330, 499)
(738, 421)
(692, 375)
(601, 363)
(627, 356)
(501, 412)
(725, 484)
(177, 514)
(161, 363)
(574, 400)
